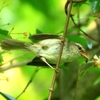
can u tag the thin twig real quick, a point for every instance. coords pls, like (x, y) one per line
(11, 60)
(3, 6)
(31, 79)
(60, 53)
(6, 67)
(84, 32)
(71, 15)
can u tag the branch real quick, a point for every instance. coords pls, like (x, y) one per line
(11, 60)
(84, 32)
(31, 79)
(71, 15)
(6, 67)
(61, 49)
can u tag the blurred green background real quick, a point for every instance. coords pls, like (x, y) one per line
(26, 16)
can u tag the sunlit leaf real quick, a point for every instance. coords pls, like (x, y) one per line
(95, 5)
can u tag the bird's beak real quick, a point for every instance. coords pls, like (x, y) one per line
(83, 54)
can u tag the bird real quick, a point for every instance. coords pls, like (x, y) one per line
(47, 48)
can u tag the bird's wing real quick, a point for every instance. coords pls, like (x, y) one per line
(38, 62)
(40, 37)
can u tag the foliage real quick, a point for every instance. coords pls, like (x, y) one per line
(31, 16)
(7, 97)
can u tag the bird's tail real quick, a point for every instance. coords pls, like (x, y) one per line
(12, 44)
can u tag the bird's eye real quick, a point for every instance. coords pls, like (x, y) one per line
(79, 48)
(44, 47)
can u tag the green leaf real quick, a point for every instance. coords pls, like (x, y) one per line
(79, 3)
(4, 34)
(77, 39)
(1, 59)
(7, 97)
(95, 5)
(97, 81)
(72, 29)
(64, 68)
(38, 31)
(95, 69)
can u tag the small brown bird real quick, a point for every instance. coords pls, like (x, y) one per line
(47, 48)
